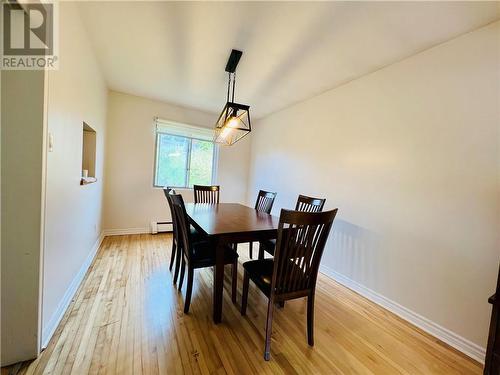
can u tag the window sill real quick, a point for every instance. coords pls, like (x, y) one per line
(173, 187)
(87, 180)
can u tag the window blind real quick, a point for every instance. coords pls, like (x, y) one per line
(183, 130)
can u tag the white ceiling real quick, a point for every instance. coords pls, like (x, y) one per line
(177, 52)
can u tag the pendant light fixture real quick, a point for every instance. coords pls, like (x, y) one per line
(234, 120)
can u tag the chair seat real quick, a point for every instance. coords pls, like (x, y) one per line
(261, 273)
(203, 255)
(269, 245)
(195, 235)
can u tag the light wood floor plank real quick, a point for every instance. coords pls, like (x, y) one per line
(127, 318)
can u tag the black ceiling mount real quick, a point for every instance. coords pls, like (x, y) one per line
(233, 60)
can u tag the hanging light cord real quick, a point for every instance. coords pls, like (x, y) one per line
(230, 93)
(234, 82)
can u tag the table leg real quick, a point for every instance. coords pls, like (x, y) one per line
(218, 280)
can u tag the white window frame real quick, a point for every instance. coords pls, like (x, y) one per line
(177, 130)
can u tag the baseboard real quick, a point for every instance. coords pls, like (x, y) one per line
(48, 331)
(458, 342)
(451, 338)
(121, 232)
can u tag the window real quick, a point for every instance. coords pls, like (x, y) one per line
(185, 155)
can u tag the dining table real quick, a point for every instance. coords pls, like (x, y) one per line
(226, 224)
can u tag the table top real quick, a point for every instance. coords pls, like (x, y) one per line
(227, 218)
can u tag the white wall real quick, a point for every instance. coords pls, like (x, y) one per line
(22, 185)
(77, 93)
(410, 155)
(131, 201)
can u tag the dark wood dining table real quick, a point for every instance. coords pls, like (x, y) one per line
(225, 224)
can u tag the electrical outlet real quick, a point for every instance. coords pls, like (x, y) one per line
(51, 142)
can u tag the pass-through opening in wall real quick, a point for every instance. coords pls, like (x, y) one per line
(88, 155)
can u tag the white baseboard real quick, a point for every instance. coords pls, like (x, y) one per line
(451, 338)
(458, 342)
(121, 232)
(48, 331)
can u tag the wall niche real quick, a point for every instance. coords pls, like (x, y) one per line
(88, 155)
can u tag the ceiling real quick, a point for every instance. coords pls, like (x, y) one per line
(177, 51)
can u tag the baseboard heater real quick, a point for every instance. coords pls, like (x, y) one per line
(161, 226)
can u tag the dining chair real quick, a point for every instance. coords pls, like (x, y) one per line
(304, 204)
(166, 191)
(293, 271)
(309, 204)
(198, 254)
(195, 236)
(206, 194)
(264, 203)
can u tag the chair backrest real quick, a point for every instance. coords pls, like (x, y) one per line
(301, 240)
(206, 194)
(309, 204)
(183, 238)
(265, 201)
(167, 191)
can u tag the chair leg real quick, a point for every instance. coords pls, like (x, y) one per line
(269, 328)
(234, 274)
(310, 319)
(189, 289)
(251, 249)
(172, 256)
(183, 269)
(178, 257)
(244, 294)
(261, 251)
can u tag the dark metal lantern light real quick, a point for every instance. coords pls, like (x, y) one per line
(234, 120)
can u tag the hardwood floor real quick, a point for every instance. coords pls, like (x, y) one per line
(127, 317)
